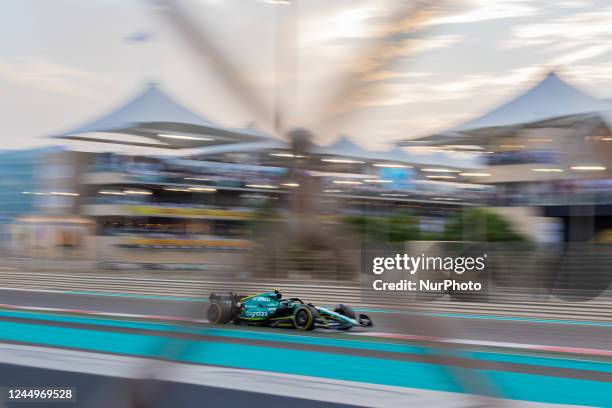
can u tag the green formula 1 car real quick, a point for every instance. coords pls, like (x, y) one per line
(270, 309)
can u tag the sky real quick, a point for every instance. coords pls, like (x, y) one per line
(66, 62)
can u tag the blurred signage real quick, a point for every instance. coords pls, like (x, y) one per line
(402, 178)
(523, 157)
(151, 210)
(189, 243)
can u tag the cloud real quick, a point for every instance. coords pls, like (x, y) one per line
(575, 38)
(586, 26)
(419, 45)
(572, 4)
(485, 10)
(594, 74)
(582, 54)
(438, 102)
(353, 22)
(385, 75)
(407, 48)
(365, 23)
(51, 77)
(437, 89)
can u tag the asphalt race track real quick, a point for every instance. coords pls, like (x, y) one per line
(488, 328)
(84, 340)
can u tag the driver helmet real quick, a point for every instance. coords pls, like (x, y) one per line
(278, 294)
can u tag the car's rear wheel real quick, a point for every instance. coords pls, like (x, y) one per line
(303, 318)
(219, 313)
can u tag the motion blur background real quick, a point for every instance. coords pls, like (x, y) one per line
(116, 164)
(146, 154)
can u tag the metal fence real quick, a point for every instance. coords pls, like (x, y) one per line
(556, 281)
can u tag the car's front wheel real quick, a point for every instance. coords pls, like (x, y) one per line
(345, 310)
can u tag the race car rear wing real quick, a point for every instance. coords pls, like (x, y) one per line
(230, 297)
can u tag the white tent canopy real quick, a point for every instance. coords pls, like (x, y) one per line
(153, 113)
(550, 98)
(345, 147)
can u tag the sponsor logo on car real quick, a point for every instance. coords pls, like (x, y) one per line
(256, 314)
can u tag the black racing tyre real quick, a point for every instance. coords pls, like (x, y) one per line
(303, 318)
(345, 310)
(219, 313)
